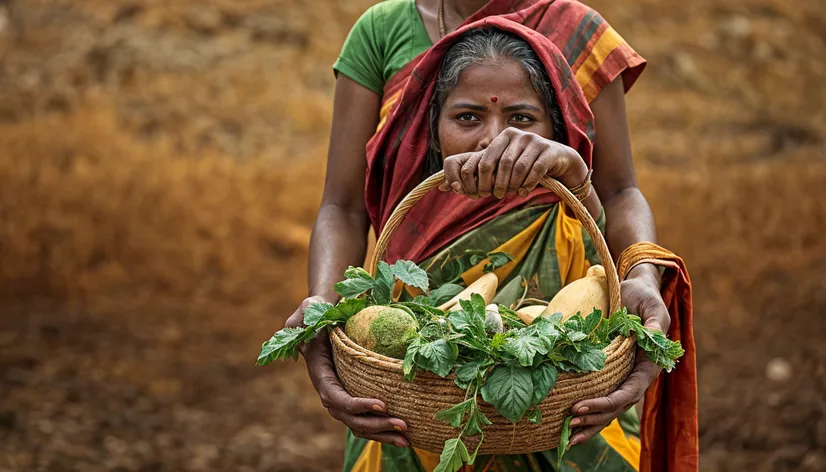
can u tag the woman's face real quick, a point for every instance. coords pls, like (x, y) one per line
(488, 98)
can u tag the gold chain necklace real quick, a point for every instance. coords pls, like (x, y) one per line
(442, 27)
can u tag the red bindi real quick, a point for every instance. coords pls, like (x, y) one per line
(494, 98)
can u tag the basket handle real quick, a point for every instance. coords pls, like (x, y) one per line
(549, 183)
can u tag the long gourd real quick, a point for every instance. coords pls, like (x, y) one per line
(582, 296)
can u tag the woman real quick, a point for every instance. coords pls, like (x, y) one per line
(343, 214)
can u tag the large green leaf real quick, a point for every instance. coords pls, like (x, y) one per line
(315, 312)
(468, 321)
(591, 321)
(383, 291)
(544, 378)
(466, 372)
(352, 288)
(437, 357)
(454, 455)
(282, 345)
(410, 274)
(510, 390)
(525, 346)
(588, 359)
(475, 305)
(344, 310)
(409, 363)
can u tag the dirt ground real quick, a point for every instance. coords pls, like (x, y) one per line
(159, 173)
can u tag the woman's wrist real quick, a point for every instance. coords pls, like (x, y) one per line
(647, 273)
(576, 171)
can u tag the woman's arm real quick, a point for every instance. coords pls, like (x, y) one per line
(628, 217)
(628, 220)
(339, 236)
(339, 240)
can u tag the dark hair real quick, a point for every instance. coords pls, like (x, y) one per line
(476, 47)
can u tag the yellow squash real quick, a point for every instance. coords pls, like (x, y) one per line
(582, 296)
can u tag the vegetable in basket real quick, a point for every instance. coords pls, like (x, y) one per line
(489, 349)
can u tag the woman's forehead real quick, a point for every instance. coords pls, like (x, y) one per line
(501, 78)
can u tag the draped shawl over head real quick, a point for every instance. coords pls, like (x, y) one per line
(397, 154)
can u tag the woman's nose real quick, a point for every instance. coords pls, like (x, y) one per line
(491, 131)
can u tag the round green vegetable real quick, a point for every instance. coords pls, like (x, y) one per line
(381, 329)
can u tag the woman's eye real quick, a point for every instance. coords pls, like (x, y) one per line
(466, 117)
(522, 118)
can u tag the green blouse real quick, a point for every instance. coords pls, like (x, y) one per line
(386, 37)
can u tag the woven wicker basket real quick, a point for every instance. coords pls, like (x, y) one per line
(367, 374)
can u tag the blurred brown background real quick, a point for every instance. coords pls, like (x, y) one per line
(161, 165)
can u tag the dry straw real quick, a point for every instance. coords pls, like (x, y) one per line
(367, 374)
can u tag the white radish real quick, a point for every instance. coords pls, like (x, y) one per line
(493, 320)
(485, 286)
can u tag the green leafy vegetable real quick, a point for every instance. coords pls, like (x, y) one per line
(455, 414)
(351, 288)
(525, 347)
(314, 312)
(383, 290)
(476, 420)
(587, 359)
(437, 357)
(510, 390)
(410, 274)
(544, 378)
(409, 363)
(589, 324)
(283, 345)
(454, 455)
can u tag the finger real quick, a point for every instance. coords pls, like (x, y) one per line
(387, 438)
(505, 167)
(656, 315)
(653, 312)
(523, 166)
(453, 167)
(585, 434)
(538, 170)
(615, 401)
(596, 419)
(627, 395)
(333, 395)
(370, 424)
(468, 175)
(296, 320)
(629, 392)
(490, 159)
